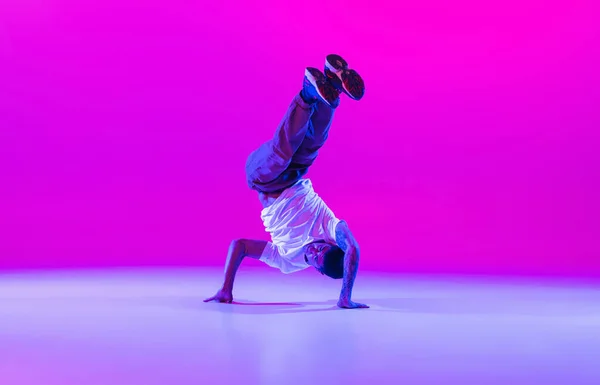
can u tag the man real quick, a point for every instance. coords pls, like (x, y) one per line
(304, 231)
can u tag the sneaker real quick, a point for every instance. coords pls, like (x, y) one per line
(344, 79)
(316, 87)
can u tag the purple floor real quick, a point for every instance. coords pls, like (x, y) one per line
(146, 327)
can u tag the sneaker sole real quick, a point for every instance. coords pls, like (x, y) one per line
(352, 83)
(326, 92)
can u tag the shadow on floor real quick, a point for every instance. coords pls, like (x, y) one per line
(252, 307)
(403, 305)
(400, 305)
(467, 305)
(452, 306)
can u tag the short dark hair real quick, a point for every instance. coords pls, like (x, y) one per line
(333, 263)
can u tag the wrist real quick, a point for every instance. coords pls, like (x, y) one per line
(342, 302)
(227, 287)
(345, 297)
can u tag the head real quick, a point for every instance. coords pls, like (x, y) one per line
(328, 259)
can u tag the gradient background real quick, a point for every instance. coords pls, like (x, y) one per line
(125, 126)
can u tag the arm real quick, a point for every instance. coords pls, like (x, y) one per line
(346, 241)
(238, 250)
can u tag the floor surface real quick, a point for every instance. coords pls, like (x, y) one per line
(147, 327)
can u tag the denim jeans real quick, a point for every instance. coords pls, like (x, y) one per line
(280, 162)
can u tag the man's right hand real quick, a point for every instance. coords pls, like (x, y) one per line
(222, 296)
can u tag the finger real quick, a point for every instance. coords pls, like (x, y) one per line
(357, 306)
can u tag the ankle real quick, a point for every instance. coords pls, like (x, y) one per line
(308, 99)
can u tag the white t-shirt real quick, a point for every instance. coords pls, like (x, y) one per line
(296, 218)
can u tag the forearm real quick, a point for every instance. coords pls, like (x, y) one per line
(350, 270)
(235, 256)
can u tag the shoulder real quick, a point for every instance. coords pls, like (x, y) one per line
(341, 226)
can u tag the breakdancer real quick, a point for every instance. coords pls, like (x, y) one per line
(304, 231)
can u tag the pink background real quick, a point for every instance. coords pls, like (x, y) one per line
(125, 126)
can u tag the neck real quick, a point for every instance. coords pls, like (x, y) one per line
(267, 199)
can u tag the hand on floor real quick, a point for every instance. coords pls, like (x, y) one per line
(222, 296)
(347, 304)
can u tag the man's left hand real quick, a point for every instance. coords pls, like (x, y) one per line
(348, 304)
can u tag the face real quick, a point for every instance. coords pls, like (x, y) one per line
(314, 253)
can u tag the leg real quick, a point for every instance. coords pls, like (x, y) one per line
(317, 134)
(273, 158)
(344, 80)
(275, 165)
(321, 121)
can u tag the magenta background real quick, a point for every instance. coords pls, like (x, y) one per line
(125, 126)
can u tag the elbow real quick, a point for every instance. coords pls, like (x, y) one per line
(238, 246)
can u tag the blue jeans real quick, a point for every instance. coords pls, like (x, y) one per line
(285, 159)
